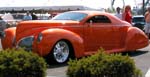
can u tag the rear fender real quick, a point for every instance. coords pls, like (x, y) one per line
(135, 39)
(9, 40)
(51, 36)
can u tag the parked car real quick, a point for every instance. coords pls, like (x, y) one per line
(74, 34)
(138, 21)
(18, 16)
(10, 20)
(2, 24)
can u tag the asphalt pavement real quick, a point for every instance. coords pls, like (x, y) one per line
(142, 60)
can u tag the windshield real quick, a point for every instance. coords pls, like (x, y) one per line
(70, 16)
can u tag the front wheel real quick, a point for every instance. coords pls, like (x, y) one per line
(61, 52)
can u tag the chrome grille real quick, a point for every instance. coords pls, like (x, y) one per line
(26, 43)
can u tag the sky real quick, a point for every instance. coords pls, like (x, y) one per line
(89, 3)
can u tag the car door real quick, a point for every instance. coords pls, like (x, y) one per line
(101, 32)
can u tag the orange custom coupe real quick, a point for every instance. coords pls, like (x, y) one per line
(74, 33)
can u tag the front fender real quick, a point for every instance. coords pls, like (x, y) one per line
(9, 39)
(51, 36)
(135, 39)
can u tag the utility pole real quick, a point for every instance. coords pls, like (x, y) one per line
(112, 3)
(143, 7)
(123, 3)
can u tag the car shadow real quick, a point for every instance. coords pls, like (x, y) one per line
(131, 54)
(57, 65)
(134, 53)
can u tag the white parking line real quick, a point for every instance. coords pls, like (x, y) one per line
(148, 73)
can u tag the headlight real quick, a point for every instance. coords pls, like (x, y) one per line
(39, 38)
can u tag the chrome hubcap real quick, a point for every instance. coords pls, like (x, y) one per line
(61, 52)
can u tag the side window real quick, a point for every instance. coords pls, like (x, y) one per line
(99, 19)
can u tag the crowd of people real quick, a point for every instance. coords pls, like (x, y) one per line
(33, 16)
(30, 17)
(126, 15)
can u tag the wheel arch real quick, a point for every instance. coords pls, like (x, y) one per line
(135, 39)
(55, 35)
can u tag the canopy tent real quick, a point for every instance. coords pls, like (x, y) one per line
(49, 8)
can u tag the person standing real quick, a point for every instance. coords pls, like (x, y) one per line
(147, 20)
(27, 16)
(127, 16)
(34, 17)
(118, 13)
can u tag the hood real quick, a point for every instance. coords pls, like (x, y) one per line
(32, 28)
(39, 24)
